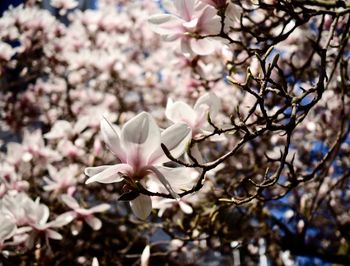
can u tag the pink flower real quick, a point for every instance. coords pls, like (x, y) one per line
(137, 146)
(190, 23)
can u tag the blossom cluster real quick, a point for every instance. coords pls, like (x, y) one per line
(147, 122)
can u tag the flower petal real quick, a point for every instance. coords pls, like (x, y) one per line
(164, 181)
(178, 112)
(186, 208)
(111, 174)
(100, 208)
(185, 8)
(175, 138)
(209, 22)
(202, 46)
(111, 136)
(140, 137)
(211, 100)
(145, 256)
(165, 24)
(141, 206)
(70, 201)
(186, 47)
(180, 178)
(53, 234)
(62, 219)
(60, 129)
(7, 228)
(94, 222)
(91, 171)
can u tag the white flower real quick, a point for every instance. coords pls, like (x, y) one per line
(138, 147)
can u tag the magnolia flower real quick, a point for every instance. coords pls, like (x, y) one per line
(63, 180)
(38, 216)
(85, 214)
(190, 22)
(32, 216)
(137, 146)
(197, 117)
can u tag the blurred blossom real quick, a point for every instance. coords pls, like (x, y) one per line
(189, 23)
(64, 180)
(6, 51)
(10, 180)
(64, 5)
(64, 129)
(85, 214)
(32, 148)
(32, 216)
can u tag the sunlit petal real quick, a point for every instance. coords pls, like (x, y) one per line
(111, 174)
